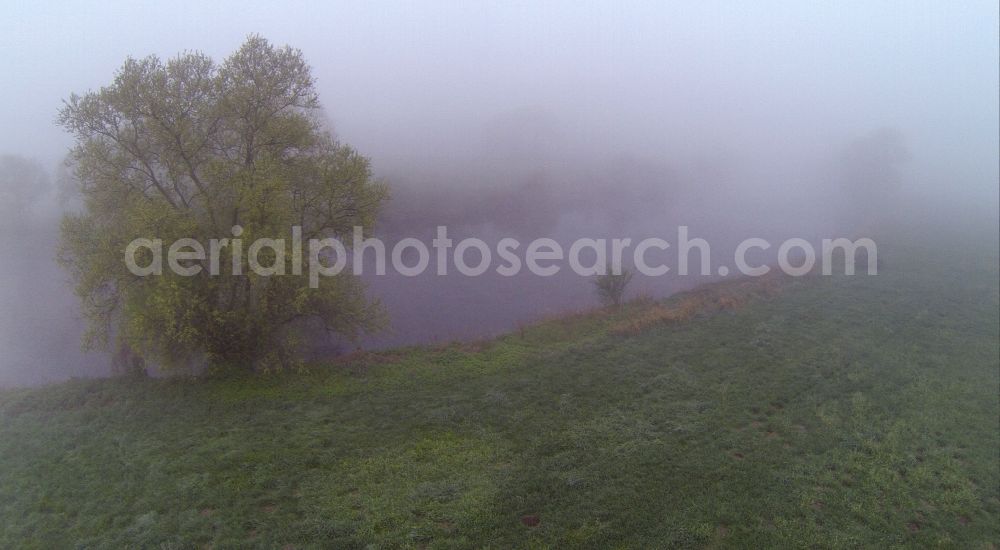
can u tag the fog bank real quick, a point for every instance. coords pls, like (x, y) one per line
(565, 121)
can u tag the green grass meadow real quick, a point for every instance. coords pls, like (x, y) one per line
(845, 412)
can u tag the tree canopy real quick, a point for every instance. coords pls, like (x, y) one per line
(189, 148)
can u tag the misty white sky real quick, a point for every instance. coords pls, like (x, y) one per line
(407, 80)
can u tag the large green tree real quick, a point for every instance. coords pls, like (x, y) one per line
(191, 148)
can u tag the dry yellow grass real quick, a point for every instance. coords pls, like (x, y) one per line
(711, 298)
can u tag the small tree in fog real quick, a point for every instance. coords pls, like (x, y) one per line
(871, 177)
(22, 183)
(611, 286)
(191, 148)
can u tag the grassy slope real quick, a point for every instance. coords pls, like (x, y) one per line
(852, 411)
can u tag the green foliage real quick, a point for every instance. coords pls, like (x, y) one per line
(611, 286)
(188, 149)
